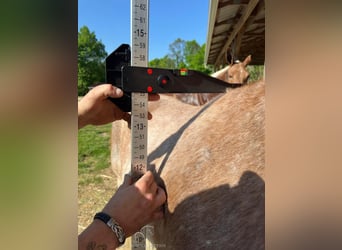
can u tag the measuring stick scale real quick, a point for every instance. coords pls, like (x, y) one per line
(139, 113)
(139, 135)
(139, 57)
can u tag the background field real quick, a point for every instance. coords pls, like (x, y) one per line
(96, 181)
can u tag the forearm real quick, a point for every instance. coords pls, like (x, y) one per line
(97, 236)
(83, 118)
(82, 121)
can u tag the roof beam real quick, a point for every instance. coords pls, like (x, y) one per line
(232, 2)
(211, 25)
(250, 20)
(248, 10)
(225, 21)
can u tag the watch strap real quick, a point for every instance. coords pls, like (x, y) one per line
(113, 225)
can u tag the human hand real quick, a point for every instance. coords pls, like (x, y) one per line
(135, 205)
(96, 109)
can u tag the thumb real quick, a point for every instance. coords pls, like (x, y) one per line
(103, 91)
(115, 92)
(127, 181)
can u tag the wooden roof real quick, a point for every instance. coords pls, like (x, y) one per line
(237, 28)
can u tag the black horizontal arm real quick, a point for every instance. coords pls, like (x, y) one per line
(155, 80)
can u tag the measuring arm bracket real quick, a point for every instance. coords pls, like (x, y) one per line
(155, 80)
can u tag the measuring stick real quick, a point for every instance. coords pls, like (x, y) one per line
(139, 119)
(139, 57)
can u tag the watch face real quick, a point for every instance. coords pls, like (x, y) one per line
(102, 216)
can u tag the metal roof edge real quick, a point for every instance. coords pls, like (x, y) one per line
(213, 4)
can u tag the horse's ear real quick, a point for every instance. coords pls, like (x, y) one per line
(247, 60)
(229, 58)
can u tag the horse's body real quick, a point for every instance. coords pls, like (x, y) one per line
(169, 116)
(214, 177)
(211, 161)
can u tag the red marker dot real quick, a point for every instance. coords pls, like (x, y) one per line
(149, 71)
(149, 89)
(164, 81)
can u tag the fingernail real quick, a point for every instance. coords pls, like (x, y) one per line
(118, 91)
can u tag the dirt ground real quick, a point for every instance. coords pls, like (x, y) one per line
(93, 197)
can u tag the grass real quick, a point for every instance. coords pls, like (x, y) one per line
(93, 151)
(96, 181)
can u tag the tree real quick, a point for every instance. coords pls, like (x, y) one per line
(183, 54)
(91, 55)
(191, 49)
(256, 72)
(177, 52)
(166, 62)
(194, 56)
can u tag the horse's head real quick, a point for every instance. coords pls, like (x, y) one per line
(237, 72)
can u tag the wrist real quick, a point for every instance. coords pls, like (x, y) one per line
(82, 117)
(97, 234)
(109, 237)
(116, 215)
(117, 231)
(81, 121)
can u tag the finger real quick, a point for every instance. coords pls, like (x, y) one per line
(160, 196)
(154, 188)
(153, 97)
(147, 178)
(126, 117)
(103, 91)
(158, 215)
(114, 92)
(127, 181)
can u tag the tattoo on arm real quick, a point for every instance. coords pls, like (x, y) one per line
(93, 246)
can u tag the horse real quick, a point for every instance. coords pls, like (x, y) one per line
(233, 73)
(214, 176)
(165, 111)
(210, 160)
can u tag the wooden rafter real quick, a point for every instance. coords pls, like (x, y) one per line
(239, 25)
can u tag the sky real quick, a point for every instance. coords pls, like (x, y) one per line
(168, 20)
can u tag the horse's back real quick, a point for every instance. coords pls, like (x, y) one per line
(214, 177)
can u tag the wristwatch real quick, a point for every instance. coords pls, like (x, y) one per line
(113, 225)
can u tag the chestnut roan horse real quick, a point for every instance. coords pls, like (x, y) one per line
(210, 159)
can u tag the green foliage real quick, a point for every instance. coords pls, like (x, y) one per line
(91, 55)
(177, 52)
(194, 55)
(256, 72)
(166, 62)
(93, 148)
(183, 54)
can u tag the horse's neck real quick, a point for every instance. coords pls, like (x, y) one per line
(196, 99)
(199, 99)
(221, 74)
